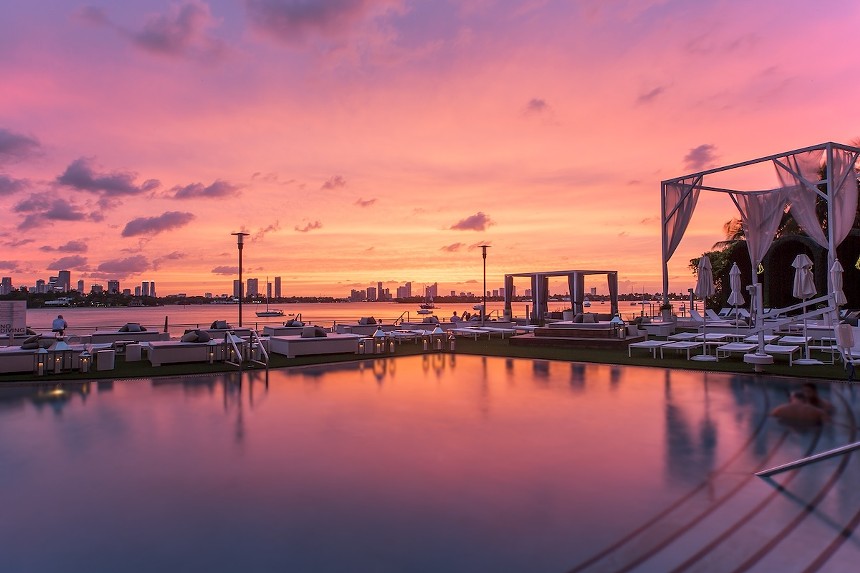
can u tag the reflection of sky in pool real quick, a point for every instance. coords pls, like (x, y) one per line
(427, 463)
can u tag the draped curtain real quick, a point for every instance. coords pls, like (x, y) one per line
(843, 194)
(679, 202)
(798, 174)
(612, 279)
(761, 213)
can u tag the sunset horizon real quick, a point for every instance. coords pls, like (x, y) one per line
(365, 141)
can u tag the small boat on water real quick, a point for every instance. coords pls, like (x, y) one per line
(425, 311)
(269, 312)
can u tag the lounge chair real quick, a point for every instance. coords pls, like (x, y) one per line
(651, 345)
(845, 343)
(727, 350)
(783, 350)
(679, 345)
(305, 345)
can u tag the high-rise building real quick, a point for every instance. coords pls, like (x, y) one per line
(81, 286)
(268, 289)
(64, 281)
(40, 286)
(379, 291)
(113, 286)
(126, 291)
(253, 287)
(408, 289)
(137, 290)
(152, 288)
(237, 288)
(97, 289)
(144, 288)
(371, 293)
(278, 287)
(6, 285)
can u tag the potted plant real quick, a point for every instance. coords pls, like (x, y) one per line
(666, 312)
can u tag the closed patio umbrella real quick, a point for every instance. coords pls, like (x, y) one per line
(803, 288)
(736, 299)
(836, 280)
(704, 289)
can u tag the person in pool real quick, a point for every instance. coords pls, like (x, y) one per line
(810, 390)
(799, 411)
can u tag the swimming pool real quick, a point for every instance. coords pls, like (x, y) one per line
(424, 463)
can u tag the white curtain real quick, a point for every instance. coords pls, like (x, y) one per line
(798, 174)
(761, 213)
(844, 194)
(679, 202)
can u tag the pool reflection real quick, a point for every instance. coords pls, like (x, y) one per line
(425, 463)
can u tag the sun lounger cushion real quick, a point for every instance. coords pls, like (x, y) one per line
(431, 320)
(37, 341)
(220, 325)
(196, 336)
(366, 320)
(588, 318)
(132, 327)
(314, 332)
(294, 322)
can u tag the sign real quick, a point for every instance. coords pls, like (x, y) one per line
(13, 317)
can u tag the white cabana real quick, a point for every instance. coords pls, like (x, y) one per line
(797, 175)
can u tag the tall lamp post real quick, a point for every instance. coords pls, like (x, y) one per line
(484, 306)
(240, 242)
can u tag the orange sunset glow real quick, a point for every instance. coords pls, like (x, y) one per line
(359, 141)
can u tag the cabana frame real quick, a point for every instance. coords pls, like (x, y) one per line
(678, 199)
(575, 281)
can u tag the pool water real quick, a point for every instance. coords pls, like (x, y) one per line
(424, 463)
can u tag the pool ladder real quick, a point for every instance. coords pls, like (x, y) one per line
(254, 342)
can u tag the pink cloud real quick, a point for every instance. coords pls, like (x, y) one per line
(294, 21)
(226, 270)
(122, 268)
(477, 222)
(82, 176)
(197, 190)
(70, 262)
(335, 182)
(309, 227)
(701, 157)
(154, 225)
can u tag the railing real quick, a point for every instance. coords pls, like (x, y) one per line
(808, 460)
(264, 355)
(399, 319)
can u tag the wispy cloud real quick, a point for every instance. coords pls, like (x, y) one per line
(537, 105)
(154, 225)
(174, 256)
(45, 207)
(296, 21)
(81, 175)
(182, 32)
(70, 247)
(226, 270)
(309, 227)
(122, 268)
(453, 247)
(650, 95)
(365, 202)
(477, 222)
(16, 146)
(70, 262)
(217, 189)
(9, 185)
(261, 233)
(334, 182)
(701, 157)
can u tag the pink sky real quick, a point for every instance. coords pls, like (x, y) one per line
(382, 140)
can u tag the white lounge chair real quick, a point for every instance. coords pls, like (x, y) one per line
(783, 350)
(727, 350)
(679, 345)
(845, 343)
(651, 345)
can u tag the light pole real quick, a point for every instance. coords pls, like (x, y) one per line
(240, 242)
(484, 306)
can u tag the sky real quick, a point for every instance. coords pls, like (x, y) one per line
(359, 141)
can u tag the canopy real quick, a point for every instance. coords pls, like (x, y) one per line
(798, 186)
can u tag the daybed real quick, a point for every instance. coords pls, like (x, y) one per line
(132, 331)
(299, 345)
(175, 351)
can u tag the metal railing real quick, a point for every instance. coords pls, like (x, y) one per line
(808, 460)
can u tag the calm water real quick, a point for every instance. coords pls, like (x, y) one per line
(426, 463)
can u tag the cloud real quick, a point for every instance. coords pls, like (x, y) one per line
(309, 227)
(174, 256)
(477, 222)
(45, 207)
(15, 243)
(365, 202)
(122, 268)
(9, 185)
(295, 21)
(701, 157)
(474, 246)
(452, 248)
(70, 262)
(650, 96)
(218, 189)
(334, 183)
(9, 265)
(70, 247)
(180, 33)
(81, 175)
(154, 225)
(537, 105)
(276, 226)
(226, 270)
(15, 146)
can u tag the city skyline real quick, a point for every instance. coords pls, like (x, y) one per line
(386, 140)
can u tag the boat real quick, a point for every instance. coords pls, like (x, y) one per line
(423, 310)
(269, 312)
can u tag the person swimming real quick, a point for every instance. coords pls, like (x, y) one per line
(799, 411)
